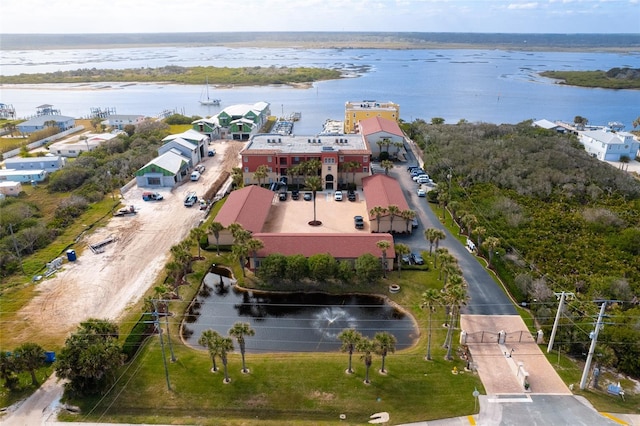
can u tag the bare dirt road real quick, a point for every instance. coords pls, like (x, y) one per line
(104, 285)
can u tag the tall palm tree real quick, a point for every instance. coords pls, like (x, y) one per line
(439, 252)
(446, 260)
(439, 235)
(30, 357)
(261, 173)
(393, 211)
(240, 252)
(491, 244)
(480, 231)
(430, 300)
(197, 234)
(386, 165)
(215, 228)
(349, 338)
(429, 235)
(354, 166)
(401, 249)
(366, 347)
(408, 216)
(253, 245)
(384, 245)
(455, 297)
(239, 331)
(314, 183)
(469, 221)
(385, 343)
(237, 177)
(208, 339)
(225, 345)
(378, 212)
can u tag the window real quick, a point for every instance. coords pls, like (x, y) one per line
(246, 170)
(329, 168)
(341, 159)
(153, 181)
(365, 159)
(269, 159)
(329, 160)
(246, 159)
(283, 161)
(365, 170)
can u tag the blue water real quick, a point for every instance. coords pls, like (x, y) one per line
(494, 86)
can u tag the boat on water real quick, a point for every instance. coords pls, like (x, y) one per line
(205, 99)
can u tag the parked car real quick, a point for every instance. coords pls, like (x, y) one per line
(414, 223)
(190, 199)
(421, 192)
(211, 152)
(358, 221)
(200, 168)
(282, 196)
(412, 168)
(418, 177)
(406, 259)
(338, 196)
(417, 259)
(195, 175)
(308, 196)
(295, 194)
(351, 195)
(416, 172)
(424, 179)
(152, 196)
(203, 204)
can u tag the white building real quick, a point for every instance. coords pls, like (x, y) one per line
(49, 163)
(607, 145)
(119, 121)
(75, 146)
(10, 188)
(10, 175)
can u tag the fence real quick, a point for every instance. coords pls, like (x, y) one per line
(41, 142)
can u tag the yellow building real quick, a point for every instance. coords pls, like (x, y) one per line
(356, 111)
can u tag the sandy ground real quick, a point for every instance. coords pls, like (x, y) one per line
(103, 285)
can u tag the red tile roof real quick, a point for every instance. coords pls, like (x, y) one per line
(379, 124)
(248, 206)
(340, 246)
(382, 190)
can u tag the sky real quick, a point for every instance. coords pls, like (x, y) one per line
(483, 16)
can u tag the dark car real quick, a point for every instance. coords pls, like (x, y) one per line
(295, 194)
(308, 196)
(358, 222)
(406, 259)
(417, 259)
(351, 195)
(282, 196)
(211, 152)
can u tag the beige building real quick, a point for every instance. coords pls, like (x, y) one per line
(356, 111)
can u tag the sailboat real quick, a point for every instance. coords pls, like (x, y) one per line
(205, 99)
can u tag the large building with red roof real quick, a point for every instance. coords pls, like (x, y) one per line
(382, 135)
(384, 191)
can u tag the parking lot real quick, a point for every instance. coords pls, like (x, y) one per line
(336, 216)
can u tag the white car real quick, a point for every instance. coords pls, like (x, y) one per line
(417, 177)
(338, 196)
(422, 192)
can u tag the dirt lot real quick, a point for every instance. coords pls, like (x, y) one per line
(104, 285)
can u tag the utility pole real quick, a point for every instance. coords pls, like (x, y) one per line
(594, 338)
(555, 323)
(156, 323)
(166, 318)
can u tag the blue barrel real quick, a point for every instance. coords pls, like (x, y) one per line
(71, 255)
(49, 356)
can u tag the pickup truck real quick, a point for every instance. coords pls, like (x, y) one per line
(152, 196)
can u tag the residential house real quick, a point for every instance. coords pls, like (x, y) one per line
(10, 188)
(382, 135)
(49, 163)
(344, 159)
(549, 125)
(358, 111)
(240, 122)
(76, 145)
(10, 175)
(384, 191)
(208, 126)
(43, 121)
(119, 121)
(609, 145)
(165, 170)
(190, 144)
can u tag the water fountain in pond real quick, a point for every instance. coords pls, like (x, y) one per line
(330, 321)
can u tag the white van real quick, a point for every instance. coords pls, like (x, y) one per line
(195, 176)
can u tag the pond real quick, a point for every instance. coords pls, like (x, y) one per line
(292, 322)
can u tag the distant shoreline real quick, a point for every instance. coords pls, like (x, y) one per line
(611, 43)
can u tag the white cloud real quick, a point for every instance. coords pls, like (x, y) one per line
(519, 6)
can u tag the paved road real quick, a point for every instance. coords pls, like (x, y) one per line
(485, 296)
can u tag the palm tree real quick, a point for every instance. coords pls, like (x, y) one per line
(408, 216)
(455, 297)
(253, 245)
(429, 235)
(349, 338)
(480, 231)
(197, 234)
(30, 357)
(386, 165)
(401, 249)
(439, 252)
(239, 234)
(430, 299)
(314, 183)
(237, 177)
(439, 235)
(215, 228)
(385, 343)
(261, 173)
(383, 245)
(366, 346)
(378, 212)
(354, 166)
(209, 339)
(393, 211)
(469, 221)
(446, 261)
(225, 345)
(491, 244)
(240, 252)
(239, 330)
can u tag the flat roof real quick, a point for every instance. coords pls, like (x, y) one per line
(315, 144)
